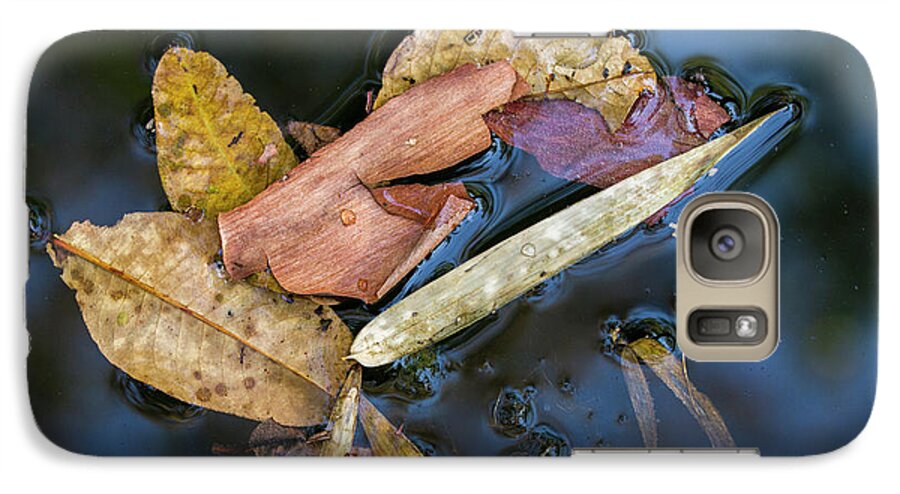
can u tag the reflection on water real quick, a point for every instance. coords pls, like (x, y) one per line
(533, 377)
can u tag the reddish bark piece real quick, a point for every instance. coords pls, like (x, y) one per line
(420, 203)
(573, 142)
(301, 227)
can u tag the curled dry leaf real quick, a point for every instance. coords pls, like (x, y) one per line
(384, 438)
(572, 141)
(641, 399)
(322, 231)
(160, 308)
(606, 74)
(343, 416)
(498, 275)
(673, 374)
(311, 137)
(216, 148)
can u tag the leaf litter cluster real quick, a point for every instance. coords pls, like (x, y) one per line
(191, 301)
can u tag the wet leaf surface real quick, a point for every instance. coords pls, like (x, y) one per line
(606, 74)
(216, 148)
(674, 375)
(572, 141)
(641, 399)
(331, 228)
(384, 438)
(493, 278)
(157, 307)
(342, 421)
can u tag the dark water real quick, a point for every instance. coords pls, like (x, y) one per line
(534, 378)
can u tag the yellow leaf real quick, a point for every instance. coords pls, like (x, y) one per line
(158, 307)
(606, 74)
(384, 438)
(343, 416)
(670, 371)
(215, 149)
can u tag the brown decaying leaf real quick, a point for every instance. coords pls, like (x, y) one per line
(321, 231)
(572, 141)
(311, 137)
(215, 148)
(384, 438)
(606, 74)
(343, 416)
(159, 308)
(641, 399)
(671, 372)
(270, 438)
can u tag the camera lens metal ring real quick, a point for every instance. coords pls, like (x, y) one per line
(726, 243)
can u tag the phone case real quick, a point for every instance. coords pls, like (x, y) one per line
(149, 338)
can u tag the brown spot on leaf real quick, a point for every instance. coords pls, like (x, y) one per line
(117, 294)
(204, 394)
(249, 382)
(249, 330)
(221, 389)
(198, 375)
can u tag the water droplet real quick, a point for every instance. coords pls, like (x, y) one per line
(161, 44)
(348, 217)
(218, 267)
(154, 402)
(528, 250)
(40, 222)
(143, 126)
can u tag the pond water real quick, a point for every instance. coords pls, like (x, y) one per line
(536, 377)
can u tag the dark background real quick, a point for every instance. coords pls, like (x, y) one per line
(89, 157)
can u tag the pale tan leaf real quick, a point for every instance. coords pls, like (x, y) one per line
(606, 74)
(384, 438)
(160, 308)
(498, 275)
(641, 399)
(215, 148)
(343, 416)
(671, 372)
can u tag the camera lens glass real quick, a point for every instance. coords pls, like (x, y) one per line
(726, 243)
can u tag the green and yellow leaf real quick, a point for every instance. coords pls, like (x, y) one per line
(215, 148)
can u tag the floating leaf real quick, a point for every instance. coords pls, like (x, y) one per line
(216, 149)
(270, 438)
(323, 231)
(571, 141)
(641, 399)
(159, 307)
(673, 374)
(606, 74)
(498, 275)
(311, 137)
(384, 438)
(343, 416)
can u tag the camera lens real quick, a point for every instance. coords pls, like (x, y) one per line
(726, 243)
